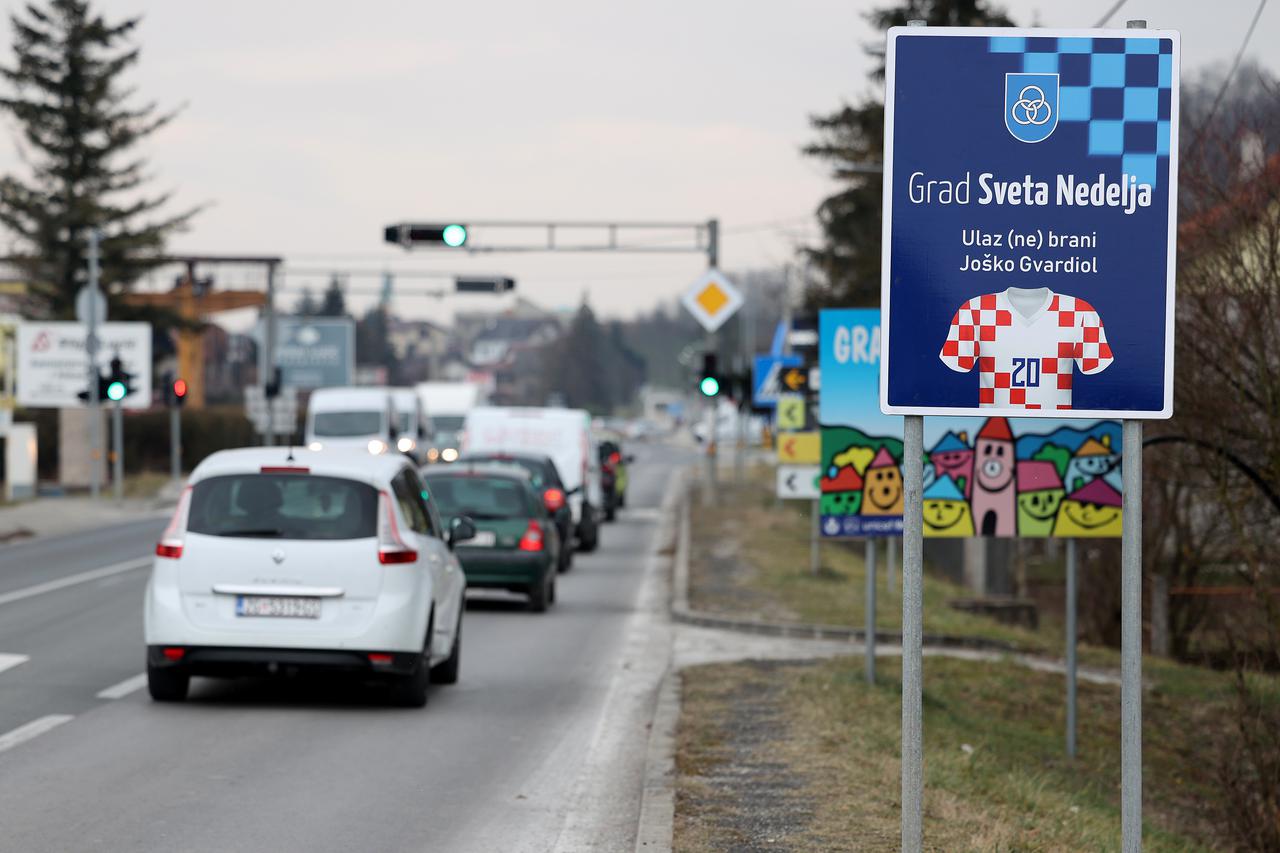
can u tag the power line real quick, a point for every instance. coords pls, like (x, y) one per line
(1234, 65)
(1102, 22)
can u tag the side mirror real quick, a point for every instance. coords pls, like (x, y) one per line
(460, 530)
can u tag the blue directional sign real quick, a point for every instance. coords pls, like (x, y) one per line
(1030, 222)
(766, 378)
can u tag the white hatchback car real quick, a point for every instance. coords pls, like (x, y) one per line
(278, 560)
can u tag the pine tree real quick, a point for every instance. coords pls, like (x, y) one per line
(851, 140)
(79, 132)
(334, 303)
(306, 306)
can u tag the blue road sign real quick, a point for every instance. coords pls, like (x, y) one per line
(1030, 213)
(766, 378)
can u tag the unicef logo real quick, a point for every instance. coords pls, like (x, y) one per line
(1031, 106)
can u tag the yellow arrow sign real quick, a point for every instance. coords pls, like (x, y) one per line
(795, 378)
(799, 448)
(790, 412)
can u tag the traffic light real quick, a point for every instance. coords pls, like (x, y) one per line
(271, 388)
(103, 383)
(709, 380)
(119, 382)
(175, 390)
(451, 235)
(491, 284)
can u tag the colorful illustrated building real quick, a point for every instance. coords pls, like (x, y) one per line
(994, 500)
(882, 487)
(1094, 510)
(1092, 460)
(1040, 495)
(953, 457)
(946, 512)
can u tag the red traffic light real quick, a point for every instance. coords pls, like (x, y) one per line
(179, 388)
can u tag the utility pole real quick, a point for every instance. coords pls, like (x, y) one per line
(269, 350)
(713, 418)
(91, 349)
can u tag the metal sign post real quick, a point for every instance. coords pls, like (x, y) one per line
(91, 349)
(891, 564)
(117, 449)
(175, 443)
(913, 635)
(869, 618)
(815, 537)
(1131, 642)
(1071, 648)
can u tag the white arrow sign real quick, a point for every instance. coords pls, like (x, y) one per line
(799, 482)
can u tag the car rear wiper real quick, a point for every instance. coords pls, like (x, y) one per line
(268, 532)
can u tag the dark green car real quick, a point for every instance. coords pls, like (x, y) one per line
(516, 546)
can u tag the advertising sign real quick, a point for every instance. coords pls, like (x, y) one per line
(315, 352)
(53, 365)
(992, 476)
(1029, 222)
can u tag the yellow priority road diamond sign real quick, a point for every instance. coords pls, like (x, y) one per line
(712, 299)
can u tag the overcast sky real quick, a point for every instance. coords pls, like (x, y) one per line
(309, 126)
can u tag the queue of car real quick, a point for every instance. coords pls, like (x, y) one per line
(352, 553)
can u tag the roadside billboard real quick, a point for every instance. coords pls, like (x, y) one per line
(53, 364)
(314, 352)
(1029, 223)
(992, 476)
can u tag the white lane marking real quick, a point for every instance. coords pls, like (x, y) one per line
(33, 729)
(124, 688)
(74, 580)
(10, 661)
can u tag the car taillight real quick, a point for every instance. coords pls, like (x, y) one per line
(532, 538)
(175, 535)
(615, 458)
(391, 548)
(553, 499)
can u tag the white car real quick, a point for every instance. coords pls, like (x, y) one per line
(281, 559)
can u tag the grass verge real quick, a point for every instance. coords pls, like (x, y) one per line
(825, 745)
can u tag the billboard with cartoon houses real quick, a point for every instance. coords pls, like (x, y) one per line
(992, 477)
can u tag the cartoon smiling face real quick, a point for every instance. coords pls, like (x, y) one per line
(1038, 510)
(882, 492)
(1086, 518)
(994, 464)
(956, 464)
(947, 518)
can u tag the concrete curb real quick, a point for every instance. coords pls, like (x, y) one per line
(658, 802)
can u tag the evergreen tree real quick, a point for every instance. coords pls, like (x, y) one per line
(334, 303)
(306, 306)
(851, 141)
(79, 133)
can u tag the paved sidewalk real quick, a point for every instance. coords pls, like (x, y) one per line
(53, 516)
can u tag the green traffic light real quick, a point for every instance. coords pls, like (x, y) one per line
(454, 235)
(710, 386)
(115, 392)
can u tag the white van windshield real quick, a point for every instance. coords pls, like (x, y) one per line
(346, 424)
(404, 424)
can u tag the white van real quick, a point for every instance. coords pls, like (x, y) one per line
(413, 428)
(447, 404)
(562, 434)
(351, 417)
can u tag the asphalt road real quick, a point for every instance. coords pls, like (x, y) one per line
(88, 762)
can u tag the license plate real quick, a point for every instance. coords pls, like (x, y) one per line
(483, 539)
(278, 606)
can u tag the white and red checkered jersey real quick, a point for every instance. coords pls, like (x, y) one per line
(1026, 361)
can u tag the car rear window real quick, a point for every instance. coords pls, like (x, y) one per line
(481, 498)
(536, 469)
(283, 506)
(343, 424)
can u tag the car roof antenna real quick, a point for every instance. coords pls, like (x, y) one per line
(290, 458)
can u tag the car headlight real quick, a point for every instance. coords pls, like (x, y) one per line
(449, 454)
(433, 455)
(315, 445)
(406, 444)
(377, 446)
